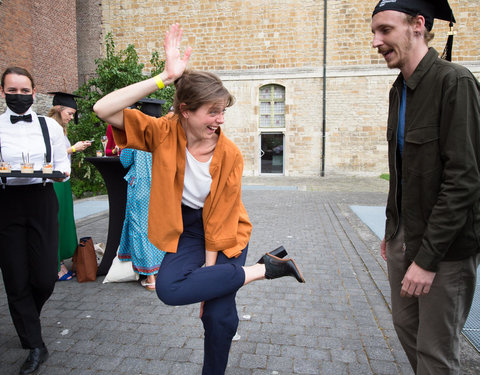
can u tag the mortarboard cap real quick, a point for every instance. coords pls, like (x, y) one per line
(66, 100)
(151, 107)
(429, 9)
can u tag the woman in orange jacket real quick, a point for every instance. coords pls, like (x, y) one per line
(196, 214)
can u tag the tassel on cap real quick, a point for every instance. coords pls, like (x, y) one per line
(447, 52)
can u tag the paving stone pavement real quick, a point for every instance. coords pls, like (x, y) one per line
(339, 322)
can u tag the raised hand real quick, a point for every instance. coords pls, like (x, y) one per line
(174, 64)
(110, 107)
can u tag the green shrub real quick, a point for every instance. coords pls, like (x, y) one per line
(114, 71)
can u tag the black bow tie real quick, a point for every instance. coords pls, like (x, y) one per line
(14, 119)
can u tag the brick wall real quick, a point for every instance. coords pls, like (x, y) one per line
(248, 43)
(239, 35)
(251, 43)
(226, 35)
(16, 47)
(55, 45)
(350, 36)
(89, 37)
(357, 113)
(41, 37)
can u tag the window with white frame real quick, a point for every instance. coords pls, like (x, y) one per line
(272, 106)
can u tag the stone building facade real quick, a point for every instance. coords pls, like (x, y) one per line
(270, 55)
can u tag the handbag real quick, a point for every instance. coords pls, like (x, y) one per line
(85, 261)
(120, 271)
(99, 251)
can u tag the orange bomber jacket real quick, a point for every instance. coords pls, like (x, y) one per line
(225, 219)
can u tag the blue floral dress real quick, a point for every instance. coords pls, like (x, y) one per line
(134, 243)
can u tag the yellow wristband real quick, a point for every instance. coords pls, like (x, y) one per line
(73, 149)
(159, 82)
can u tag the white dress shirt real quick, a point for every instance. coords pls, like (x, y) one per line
(27, 137)
(67, 146)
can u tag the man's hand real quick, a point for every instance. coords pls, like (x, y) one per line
(416, 281)
(383, 249)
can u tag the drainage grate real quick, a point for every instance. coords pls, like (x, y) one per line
(472, 326)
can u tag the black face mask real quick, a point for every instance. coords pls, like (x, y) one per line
(19, 103)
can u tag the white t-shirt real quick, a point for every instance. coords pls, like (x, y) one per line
(197, 182)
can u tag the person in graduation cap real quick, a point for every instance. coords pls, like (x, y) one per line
(196, 213)
(64, 110)
(28, 220)
(134, 243)
(432, 233)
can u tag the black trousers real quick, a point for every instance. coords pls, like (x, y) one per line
(28, 255)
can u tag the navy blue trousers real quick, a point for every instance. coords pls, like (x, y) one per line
(182, 280)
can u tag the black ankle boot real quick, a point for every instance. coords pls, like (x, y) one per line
(35, 358)
(276, 267)
(279, 252)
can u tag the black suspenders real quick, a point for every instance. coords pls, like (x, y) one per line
(46, 138)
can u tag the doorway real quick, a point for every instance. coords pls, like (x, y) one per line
(271, 153)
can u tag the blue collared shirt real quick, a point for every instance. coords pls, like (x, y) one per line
(401, 119)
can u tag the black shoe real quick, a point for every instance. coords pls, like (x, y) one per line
(36, 357)
(276, 267)
(279, 252)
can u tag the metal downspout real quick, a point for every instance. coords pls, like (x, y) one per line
(322, 173)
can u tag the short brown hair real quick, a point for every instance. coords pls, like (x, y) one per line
(427, 35)
(196, 88)
(19, 71)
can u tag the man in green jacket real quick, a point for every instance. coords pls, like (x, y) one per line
(432, 235)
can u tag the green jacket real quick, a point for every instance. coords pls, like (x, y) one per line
(436, 184)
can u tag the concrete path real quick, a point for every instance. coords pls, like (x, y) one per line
(339, 322)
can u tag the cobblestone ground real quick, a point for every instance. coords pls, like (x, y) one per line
(339, 322)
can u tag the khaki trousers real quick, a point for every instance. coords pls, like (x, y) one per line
(429, 326)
